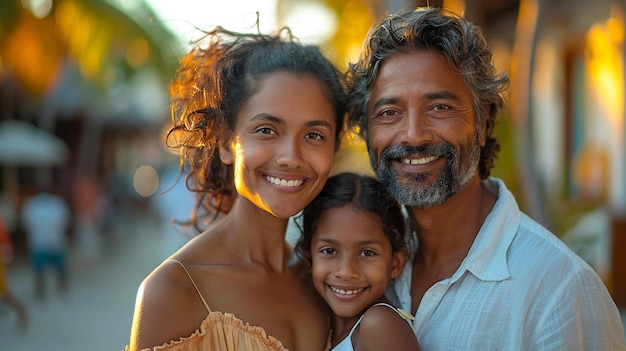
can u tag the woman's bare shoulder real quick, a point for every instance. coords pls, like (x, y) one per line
(167, 307)
(166, 280)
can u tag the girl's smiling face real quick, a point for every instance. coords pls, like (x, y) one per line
(352, 259)
(282, 147)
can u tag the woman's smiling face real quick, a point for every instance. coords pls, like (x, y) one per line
(283, 144)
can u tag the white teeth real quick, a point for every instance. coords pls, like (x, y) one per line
(345, 292)
(284, 182)
(419, 161)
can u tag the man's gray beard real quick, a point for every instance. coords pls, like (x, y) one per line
(447, 184)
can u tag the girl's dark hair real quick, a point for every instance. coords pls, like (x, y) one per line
(361, 192)
(214, 82)
(453, 37)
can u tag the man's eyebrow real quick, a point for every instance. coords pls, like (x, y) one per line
(443, 94)
(385, 101)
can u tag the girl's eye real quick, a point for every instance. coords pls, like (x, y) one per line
(327, 251)
(368, 253)
(265, 130)
(314, 136)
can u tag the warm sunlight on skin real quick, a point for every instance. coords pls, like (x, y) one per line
(239, 183)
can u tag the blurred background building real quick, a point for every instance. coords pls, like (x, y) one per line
(83, 104)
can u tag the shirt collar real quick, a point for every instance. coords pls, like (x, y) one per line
(487, 258)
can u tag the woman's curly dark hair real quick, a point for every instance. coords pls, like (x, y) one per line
(213, 83)
(459, 41)
(363, 193)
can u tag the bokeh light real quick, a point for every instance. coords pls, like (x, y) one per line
(146, 181)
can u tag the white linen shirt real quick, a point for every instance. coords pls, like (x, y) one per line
(519, 288)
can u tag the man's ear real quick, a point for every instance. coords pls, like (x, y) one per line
(398, 261)
(483, 134)
(225, 149)
(485, 127)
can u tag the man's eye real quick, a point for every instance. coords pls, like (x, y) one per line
(388, 113)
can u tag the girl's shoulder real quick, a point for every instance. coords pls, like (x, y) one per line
(383, 312)
(386, 327)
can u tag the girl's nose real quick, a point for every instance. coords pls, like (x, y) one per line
(347, 269)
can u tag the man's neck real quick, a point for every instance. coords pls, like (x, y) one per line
(446, 232)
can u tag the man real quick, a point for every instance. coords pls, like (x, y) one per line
(483, 275)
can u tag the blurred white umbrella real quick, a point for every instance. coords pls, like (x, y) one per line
(22, 144)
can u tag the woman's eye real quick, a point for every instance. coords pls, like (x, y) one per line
(265, 130)
(315, 136)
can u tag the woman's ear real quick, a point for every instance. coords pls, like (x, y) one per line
(225, 149)
(398, 261)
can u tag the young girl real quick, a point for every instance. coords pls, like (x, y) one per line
(260, 123)
(353, 235)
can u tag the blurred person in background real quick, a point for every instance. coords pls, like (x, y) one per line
(88, 202)
(482, 275)
(46, 218)
(6, 295)
(259, 119)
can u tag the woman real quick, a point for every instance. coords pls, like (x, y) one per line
(261, 115)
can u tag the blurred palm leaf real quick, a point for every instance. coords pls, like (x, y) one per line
(106, 43)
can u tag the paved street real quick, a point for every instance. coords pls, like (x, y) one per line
(97, 314)
(98, 311)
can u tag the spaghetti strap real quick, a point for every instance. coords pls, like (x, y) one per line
(402, 313)
(194, 284)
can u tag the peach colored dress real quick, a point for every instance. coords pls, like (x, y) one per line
(224, 332)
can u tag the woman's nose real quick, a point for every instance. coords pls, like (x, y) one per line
(290, 155)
